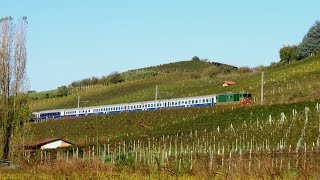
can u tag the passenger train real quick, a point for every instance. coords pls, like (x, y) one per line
(207, 100)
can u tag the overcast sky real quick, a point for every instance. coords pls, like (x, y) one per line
(70, 40)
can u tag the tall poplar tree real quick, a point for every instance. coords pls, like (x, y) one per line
(14, 110)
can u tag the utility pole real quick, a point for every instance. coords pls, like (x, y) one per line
(262, 82)
(156, 92)
(78, 102)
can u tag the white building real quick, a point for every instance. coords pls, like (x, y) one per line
(50, 143)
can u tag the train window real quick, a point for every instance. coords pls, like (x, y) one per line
(192, 101)
(196, 101)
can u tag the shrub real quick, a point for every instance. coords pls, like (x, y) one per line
(211, 71)
(242, 70)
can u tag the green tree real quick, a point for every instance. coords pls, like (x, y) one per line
(63, 91)
(288, 53)
(310, 44)
(195, 58)
(115, 77)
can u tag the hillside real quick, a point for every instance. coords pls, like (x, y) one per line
(283, 84)
(294, 83)
(279, 139)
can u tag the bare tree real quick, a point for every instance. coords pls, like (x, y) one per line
(14, 109)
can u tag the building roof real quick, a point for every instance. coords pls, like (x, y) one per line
(229, 82)
(44, 141)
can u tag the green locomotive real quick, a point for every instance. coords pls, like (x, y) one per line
(243, 98)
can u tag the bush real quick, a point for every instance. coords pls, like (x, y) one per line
(195, 76)
(243, 70)
(195, 58)
(114, 78)
(211, 71)
(260, 68)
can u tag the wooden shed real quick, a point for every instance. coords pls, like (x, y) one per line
(228, 83)
(50, 143)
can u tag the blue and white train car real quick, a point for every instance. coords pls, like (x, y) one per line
(48, 114)
(78, 112)
(208, 100)
(109, 109)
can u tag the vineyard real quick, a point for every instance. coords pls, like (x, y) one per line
(292, 83)
(280, 139)
(285, 144)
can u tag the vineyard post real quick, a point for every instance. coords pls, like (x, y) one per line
(262, 81)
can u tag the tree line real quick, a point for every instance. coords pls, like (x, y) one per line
(309, 46)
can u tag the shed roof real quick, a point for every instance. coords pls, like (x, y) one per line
(229, 82)
(44, 141)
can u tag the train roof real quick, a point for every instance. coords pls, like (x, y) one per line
(131, 103)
